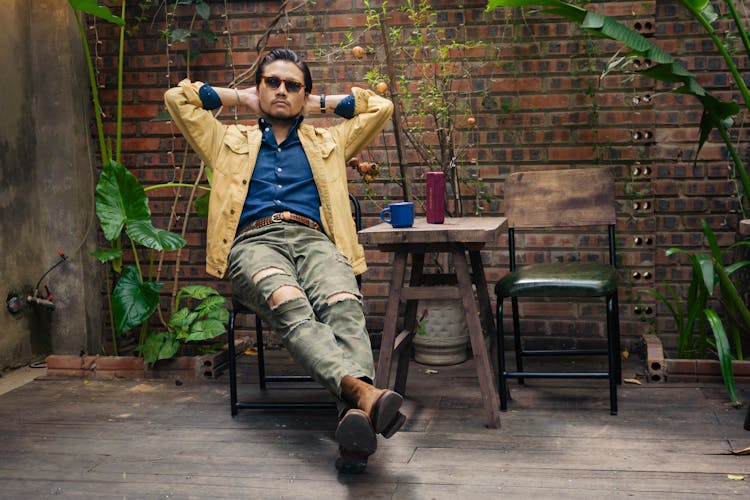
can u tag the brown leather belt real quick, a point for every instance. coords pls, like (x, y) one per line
(281, 217)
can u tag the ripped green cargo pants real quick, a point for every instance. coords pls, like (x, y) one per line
(325, 334)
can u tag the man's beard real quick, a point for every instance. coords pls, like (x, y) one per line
(283, 118)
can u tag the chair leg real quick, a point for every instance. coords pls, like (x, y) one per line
(517, 338)
(502, 385)
(261, 352)
(616, 319)
(232, 366)
(613, 350)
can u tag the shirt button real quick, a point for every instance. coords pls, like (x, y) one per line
(278, 186)
(278, 149)
(231, 211)
(277, 202)
(225, 241)
(244, 181)
(278, 169)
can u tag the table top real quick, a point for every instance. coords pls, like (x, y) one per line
(453, 230)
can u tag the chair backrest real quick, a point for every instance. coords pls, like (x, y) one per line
(560, 198)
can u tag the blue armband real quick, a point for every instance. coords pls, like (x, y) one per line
(209, 97)
(345, 107)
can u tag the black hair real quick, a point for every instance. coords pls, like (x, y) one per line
(285, 55)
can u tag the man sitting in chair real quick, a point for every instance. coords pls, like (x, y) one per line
(280, 226)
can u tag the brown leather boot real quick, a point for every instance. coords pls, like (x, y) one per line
(357, 441)
(381, 405)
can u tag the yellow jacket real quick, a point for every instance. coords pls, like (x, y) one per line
(231, 152)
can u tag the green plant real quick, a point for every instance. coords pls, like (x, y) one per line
(123, 209)
(717, 114)
(427, 71)
(709, 275)
(205, 320)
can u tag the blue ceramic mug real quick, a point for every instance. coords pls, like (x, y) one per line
(399, 214)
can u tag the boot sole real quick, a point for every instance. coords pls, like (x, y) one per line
(386, 417)
(355, 434)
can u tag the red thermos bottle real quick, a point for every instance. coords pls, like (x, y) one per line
(435, 197)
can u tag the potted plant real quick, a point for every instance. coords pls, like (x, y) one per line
(426, 69)
(698, 315)
(123, 211)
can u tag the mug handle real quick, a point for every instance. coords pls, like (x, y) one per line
(385, 215)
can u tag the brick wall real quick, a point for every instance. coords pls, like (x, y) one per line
(540, 106)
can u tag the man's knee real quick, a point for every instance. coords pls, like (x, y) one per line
(283, 290)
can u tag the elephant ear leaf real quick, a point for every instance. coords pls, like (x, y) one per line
(120, 198)
(92, 7)
(133, 301)
(144, 233)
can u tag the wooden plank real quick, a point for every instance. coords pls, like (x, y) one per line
(153, 439)
(560, 198)
(453, 230)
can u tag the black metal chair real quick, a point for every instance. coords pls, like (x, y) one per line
(263, 377)
(565, 200)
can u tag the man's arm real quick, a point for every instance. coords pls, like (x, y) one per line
(249, 98)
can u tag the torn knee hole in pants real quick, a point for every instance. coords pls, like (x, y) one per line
(264, 273)
(282, 287)
(340, 297)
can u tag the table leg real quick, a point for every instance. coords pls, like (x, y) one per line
(388, 338)
(410, 324)
(486, 314)
(485, 374)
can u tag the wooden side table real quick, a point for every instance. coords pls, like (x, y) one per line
(462, 238)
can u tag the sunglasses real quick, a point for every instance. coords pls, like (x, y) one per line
(274, 82)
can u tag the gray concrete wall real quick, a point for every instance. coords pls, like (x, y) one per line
(47, 178)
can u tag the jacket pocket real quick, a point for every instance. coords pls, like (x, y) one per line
(235, 153)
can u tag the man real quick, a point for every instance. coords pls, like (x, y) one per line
(280, 226)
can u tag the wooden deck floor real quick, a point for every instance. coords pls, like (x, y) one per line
(65, 438)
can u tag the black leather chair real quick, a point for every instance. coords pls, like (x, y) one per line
(566, 200)
(263, 377)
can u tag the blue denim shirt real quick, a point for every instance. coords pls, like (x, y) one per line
(282, 179)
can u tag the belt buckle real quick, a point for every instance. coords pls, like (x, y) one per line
(277, 217)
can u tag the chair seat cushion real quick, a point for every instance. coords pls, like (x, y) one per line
(570, 279)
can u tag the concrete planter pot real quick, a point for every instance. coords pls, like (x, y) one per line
(447, 338)
(199, 367)
(663, 369)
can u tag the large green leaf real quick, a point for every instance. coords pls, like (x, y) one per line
(182, 318)
(160, 345)
(724, 351)
(144, 233)
(120, 198)
(199, 292)
(213, 303)
(92, 7)
(133, 301)
(205, 329)
(106, 255)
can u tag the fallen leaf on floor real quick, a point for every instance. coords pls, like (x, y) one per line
(430, 372)
(251, 351)
(735, 477)
(632, 381)
(625, 354)
(746, 451)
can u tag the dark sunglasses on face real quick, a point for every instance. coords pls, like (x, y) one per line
(274, 82)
